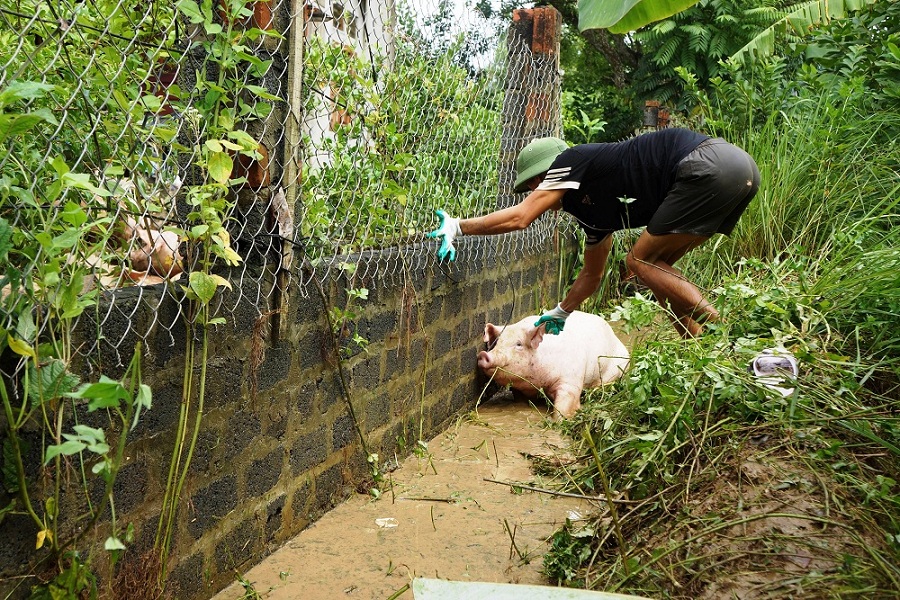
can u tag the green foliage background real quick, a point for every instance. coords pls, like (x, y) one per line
(427, 135)
(812, 268)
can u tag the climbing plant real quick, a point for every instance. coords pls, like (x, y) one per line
(397, 139)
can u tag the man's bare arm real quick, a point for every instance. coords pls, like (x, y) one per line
(591, 275)
(514, 218)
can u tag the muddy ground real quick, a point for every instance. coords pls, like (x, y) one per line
(443, 519)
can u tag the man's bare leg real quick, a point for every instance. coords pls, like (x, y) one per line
(652, 259)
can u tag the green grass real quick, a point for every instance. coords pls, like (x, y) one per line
(719, 485)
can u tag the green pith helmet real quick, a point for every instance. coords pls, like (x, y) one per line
(536, 158)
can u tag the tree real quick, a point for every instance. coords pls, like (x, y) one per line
(621, 57)
(797, 21)
(664, 35)
(623, 16)
(698, 40)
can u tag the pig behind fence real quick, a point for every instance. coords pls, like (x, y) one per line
(586, 354)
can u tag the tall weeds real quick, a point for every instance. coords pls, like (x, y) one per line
(724, 486)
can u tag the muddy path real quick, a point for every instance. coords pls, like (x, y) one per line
(442, 520)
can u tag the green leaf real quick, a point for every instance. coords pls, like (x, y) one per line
(121, 100)
(10, 472)
(74, 214)
(143, 400)
(106, 393)
(151, 102)
(82, 181)
(23, 90)
(67, 239)
(800, 20)
(230, 145)
(623, 16)
(59, 165)
(25, 328)
(66, 448)
(262, 92)
(89, 433)
(49, 382)
(5, 239)
(165, 134)
(20, 347)
(228, 254)
(247, 141)
(203, 285)
(220, 281)
(190, 9)
(220, 167)
(18, 124)
(113, 543)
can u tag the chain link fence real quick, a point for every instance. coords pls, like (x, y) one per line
(145, 141)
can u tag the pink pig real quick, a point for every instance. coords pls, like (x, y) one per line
(586, 354)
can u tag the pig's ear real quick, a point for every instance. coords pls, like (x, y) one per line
(491, 333)
(536, 337)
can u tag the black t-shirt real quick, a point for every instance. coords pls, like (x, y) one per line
(619, 185)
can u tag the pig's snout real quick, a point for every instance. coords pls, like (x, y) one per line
(484, 360)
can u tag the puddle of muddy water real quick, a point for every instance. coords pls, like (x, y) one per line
(443, 519)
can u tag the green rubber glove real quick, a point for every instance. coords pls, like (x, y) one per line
(447, 231)
(553, 320)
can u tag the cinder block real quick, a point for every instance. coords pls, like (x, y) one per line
(274, 517)
(441, 344)
(433, 311)
(378, 410)
(238, 547)
(330, 390)
(130, 486)
(343, 432)
(277, 367)
(211, 504)
(276, 417)
(366, 375)
(242, 430)
(264, 473)
(300, 505)
(487, 292)
(382, 325)
(163, 415)
(187, 579)
(330, 490)
(208, 440)
(308, 451)
(312, 349)
(302, 399)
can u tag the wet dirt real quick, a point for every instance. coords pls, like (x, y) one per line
(442, 519)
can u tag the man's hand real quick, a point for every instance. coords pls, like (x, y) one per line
(448, 230)
(553, 320)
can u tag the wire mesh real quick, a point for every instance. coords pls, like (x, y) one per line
(324, 129)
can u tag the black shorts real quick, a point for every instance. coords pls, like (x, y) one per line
(713, 186)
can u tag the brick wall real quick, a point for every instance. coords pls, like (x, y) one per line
(266, 466)
(270, 466)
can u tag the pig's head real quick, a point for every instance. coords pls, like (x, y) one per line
(510, 351)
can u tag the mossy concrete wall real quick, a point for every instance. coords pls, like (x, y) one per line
(283, 443)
